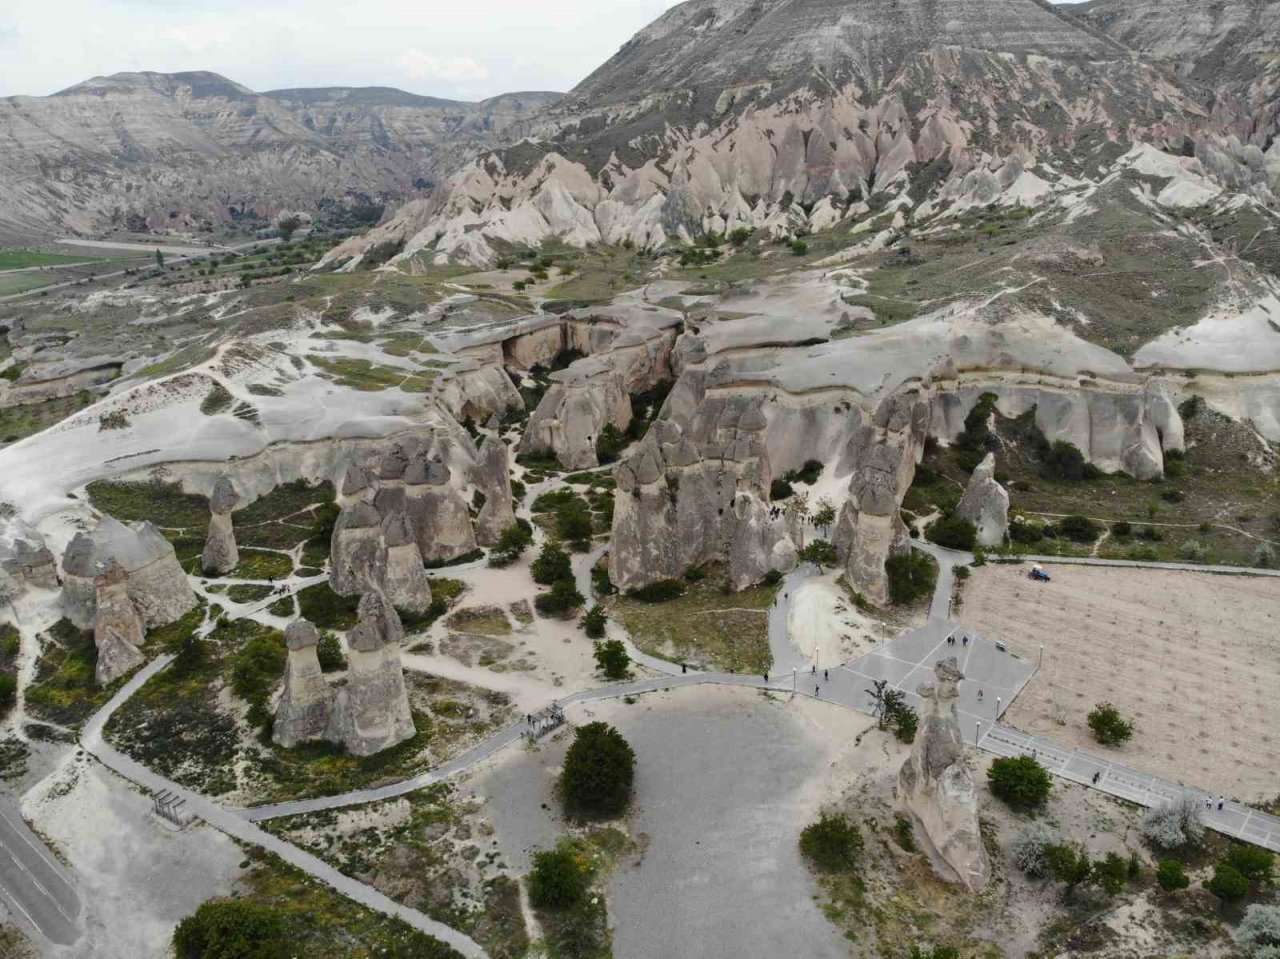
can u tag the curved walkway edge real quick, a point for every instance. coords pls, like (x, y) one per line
(241, 828)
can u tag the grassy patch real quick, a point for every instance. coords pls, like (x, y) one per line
(708, 626)
(256, 564)
(216, 401)
(22, 259)
(64, 690)
(368, 377)
(19, 422)
(248, 593)
(483, 620)
(164, 504)
(326, 609)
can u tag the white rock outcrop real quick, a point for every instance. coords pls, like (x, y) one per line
(371, 711)
(117, 629)
(492, 477)
(306, 703)
(220, 554)
(936, 787)
(986, 504)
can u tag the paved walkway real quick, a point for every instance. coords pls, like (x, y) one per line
(33, 884)
(1140, 564)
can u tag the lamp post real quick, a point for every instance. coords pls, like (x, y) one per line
(1041, 661)
(977, 736)
(998, 701)
(793, 679)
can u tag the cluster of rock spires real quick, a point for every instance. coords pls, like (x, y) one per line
(367, 713)
(936, 787)
(120, 581)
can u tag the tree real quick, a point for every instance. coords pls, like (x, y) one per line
(881, 694)
(599, 773)
(1176, 825)
(232, 929)
(832, 844)
(1109, 727)
(953, 532)
(329, 652)
(1031, 847)
(1069, 864)
(560, 879)
(610, 443)
(824, 515)
(573, 524)
(562, 598)
(551, 565)
(904, 720)
(612, 658)
(8, 691)
(1110, 874)
(512, 542)
(820, 553)
(1259, 930)
(1253, 862)
(159, 258)
(595, 621)
(1170, 876)
(1020, 781)
(912, 576)
(1079, 529)
(1064, 461)
(288, 225)
(1227, 883)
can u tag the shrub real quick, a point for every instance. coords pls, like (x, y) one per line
(1064, 461)
(562, 598)
(1020, 781)
(1227, 883)
(551, 566)
(1122, 530)
(1030, 849)
(232, 929)
(1171, 877)
(1021, 531)
(953, 532)
(780, 489)
(905, 722)
(1079, 529)
(820, 553)
(560, 878)
(662, 591)
(8, 691)
(1070, 864)
(1259, 931)
(903, 833)
(1264, 557)
(612, 658)
(832, 844)
(610, 443)
(1175, 826)
(573, 524)
(595, 621)
(512, 542)
(1110, 874)
(1193, 551)
(772, 578)
(599, 773)
(329, 652)
(1253, 862)
(1109, 727)
(912, 576)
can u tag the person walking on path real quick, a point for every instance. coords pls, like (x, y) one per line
(826, 675)
(1222, 801)
(817, 690)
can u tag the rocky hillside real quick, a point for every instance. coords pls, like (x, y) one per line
(788, 115)
(140, 151)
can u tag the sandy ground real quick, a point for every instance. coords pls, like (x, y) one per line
(1191, 658)
(726, 780)
(136, 878)
(824, 621)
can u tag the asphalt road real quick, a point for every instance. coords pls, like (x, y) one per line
(32, 884)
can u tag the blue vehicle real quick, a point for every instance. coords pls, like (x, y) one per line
(1039, 575)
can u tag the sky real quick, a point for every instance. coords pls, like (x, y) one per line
(459, 49)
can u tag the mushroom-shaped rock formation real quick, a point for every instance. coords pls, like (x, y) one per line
(439, 513)
(937, 789)
(157, 586)
(357, 553)
(986, 504)
(30, 564)
(220, 553)
(371, 712)
(405, 579)
(306, 704)
(117, 628)
(355, 482)
(493, 478)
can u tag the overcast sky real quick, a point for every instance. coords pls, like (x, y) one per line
(464, 49)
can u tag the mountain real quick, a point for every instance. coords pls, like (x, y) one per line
(792, 115)
(1230, 48)
(192, 150)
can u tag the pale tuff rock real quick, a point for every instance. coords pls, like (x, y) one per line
(885, 453)
(492, 477)
(30, 564)
(221, 555)
(405, 579)
(303, 713)
(371, 712)
(439, 513)
(357, 554)
(157, 586)
(937, 789)
(689, 496)
(117, 628)
(986, 504)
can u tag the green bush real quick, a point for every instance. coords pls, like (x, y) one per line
(1079, 529)
(1253, 862)
(8, 691)
(599, 773)
(595, 621)
(820, 553)
(562, 598)
(832, 844)
(1110, 874)
(612, 658)
(912, 576)
(1109, 727)
(551, 566)
(232, 929)
(1227, 883)
(1122, 530)
(560, 878)
(611, 442)
(953, 532)
(1070, 864)
(1170, 876)
(780, 489)
(329, 652)
(512, 542)
(1020, 781)
(1064, 461)
(664, 590)
(1023, 532)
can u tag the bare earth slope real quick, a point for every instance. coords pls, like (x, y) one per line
(148, 150)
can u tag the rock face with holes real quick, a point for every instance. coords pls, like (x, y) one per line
(492, 477)
(117, 628)
(885, 452)
(936, 787)
(371, 712)
(156, 584)
(306, 704)
(221, 555)
(986, 504)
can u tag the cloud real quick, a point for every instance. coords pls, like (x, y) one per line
(9, 36)
(426, 66)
